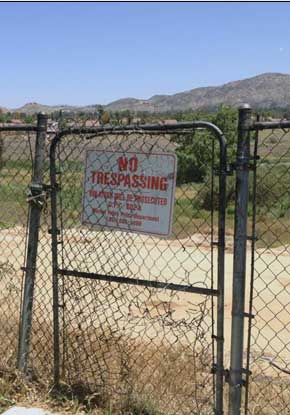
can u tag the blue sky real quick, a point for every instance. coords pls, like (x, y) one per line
(89, 53)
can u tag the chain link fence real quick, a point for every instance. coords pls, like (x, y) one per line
(268, 345)
(132, 322)
(16, 154)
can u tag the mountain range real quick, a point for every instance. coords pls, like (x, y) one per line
(268, 90)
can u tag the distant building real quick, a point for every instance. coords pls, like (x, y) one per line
(92, 123)
(16, 121)
(168, 122)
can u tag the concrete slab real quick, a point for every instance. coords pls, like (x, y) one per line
(19, 410)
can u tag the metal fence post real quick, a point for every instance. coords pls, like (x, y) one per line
(54, 252)
(240, 252)
(33, 235)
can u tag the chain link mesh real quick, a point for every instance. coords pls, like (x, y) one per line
(16, 154)
(134, 346)
(269, 353)
(16, 165)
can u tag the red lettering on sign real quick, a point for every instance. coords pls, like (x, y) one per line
(122, 163)
(133, 164)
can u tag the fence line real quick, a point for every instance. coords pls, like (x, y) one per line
(139, 320)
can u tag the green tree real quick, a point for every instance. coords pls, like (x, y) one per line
(194, 151)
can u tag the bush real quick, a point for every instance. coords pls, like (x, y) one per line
(205, 199)
(272, 191)
(188, 170)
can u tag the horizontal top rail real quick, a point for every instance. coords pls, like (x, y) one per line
(17, 127)
(143, 128)
(270, 125)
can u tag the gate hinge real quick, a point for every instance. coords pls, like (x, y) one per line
(57, 231)
(226, 372)
(244, 315)
(215, 337)
(218, 172)
(215, 243)
(255, 158)
(248, 315)
(253, 238)
(243, 371)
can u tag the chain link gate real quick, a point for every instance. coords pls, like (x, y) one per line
(134, 314)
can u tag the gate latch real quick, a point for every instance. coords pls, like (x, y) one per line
(37, 193)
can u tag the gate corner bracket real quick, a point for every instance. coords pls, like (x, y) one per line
(225, 372)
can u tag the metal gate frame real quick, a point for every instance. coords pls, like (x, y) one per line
(218, 367)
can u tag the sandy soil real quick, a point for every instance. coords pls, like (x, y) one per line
(183, 262)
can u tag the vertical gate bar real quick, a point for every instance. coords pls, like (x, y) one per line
(54, 251)
(33, 236)
(240, 253)
(212, 285)
(221, 271)
(253, 246)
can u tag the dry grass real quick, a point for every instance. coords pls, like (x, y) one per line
(15, 389)
(267, 396)
(130, 378)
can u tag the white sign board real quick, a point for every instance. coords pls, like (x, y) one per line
(130, 191)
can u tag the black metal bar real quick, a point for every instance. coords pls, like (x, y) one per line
(139, 282)
(270, 125)
(221, 277)
(33, 236)
(212, 282)
(147, 128)
(240, 253)
(54, 251)
(19, 127)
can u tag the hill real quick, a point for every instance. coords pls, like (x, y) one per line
(269, 90)
(34, 107)
(263, 91)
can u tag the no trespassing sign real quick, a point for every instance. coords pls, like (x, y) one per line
(129, 191)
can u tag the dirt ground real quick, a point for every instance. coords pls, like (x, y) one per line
(182, 262)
